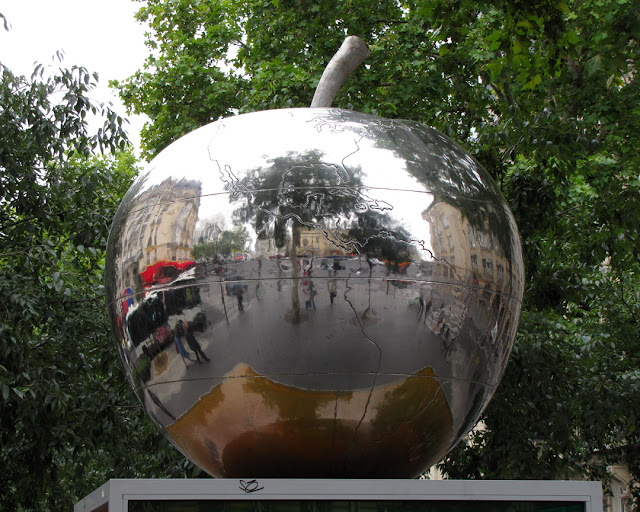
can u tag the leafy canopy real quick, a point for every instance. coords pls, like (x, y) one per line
(67, 421)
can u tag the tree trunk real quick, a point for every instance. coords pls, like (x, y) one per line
(295, 273)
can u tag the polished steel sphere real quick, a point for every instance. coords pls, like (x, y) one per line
(314, 293)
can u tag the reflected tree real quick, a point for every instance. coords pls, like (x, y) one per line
(225, 243)
(295, 191)
(381, 237)
(300, 191)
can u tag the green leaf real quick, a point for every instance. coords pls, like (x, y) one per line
(593, 64)
(572, 37)
(496, 35)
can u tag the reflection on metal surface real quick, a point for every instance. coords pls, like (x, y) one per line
(317, 433)
(314, 292)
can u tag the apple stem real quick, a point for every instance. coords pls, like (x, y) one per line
(350, 55)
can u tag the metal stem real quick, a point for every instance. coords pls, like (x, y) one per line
(350, 55)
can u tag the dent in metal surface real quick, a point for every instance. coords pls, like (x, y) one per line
(314, 293)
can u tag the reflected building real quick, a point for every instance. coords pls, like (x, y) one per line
(267, 248)
(209, 229)
(320, 243)
(466, 253)
(159, 230)
(313, 241)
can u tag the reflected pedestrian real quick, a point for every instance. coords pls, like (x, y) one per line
(311, 302)
(193, 343)
(180, 347)
(424, 306)
(333, 289)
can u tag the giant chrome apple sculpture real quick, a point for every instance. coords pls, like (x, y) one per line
(314, 293)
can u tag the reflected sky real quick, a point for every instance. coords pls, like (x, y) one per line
(225, 152)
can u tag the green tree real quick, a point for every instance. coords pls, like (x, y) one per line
(546, 95)
(67, 421)
(232, 241)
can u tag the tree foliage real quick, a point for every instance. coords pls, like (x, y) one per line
(546, 95)
(226, 243)
(67, 421)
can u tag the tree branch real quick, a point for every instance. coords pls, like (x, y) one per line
(393, 22)
(627, 305)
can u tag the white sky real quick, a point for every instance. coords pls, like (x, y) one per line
(100, 35)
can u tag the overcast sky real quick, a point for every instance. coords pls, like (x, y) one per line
(100, 35)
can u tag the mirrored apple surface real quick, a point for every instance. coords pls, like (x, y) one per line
(314, 293)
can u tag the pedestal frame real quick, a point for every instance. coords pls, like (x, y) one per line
(116, 494)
